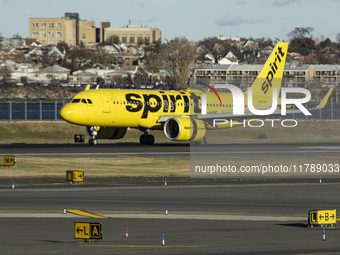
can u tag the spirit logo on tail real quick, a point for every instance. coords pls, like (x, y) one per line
(273, 68)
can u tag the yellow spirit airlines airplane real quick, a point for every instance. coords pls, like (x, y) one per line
(183, 115)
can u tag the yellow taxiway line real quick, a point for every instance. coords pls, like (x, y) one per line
(86, 214)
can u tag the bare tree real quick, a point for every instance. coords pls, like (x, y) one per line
(300, 33)
(214, 46)
(153, 59)
(63, 47)
(82, 58)
(1, 39)
(141, 77)
(5, 74)
(301, 41)
(17, 36)
(104, 57)
(176, 57)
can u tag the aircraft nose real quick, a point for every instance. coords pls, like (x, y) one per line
(66, 113)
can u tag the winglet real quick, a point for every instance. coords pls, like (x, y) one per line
(88, 87)
(325, 99)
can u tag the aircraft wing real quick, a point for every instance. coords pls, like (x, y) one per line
(320, 106)
(227, 114)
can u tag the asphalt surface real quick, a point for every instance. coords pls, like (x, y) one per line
(204, 217)
(249, 150)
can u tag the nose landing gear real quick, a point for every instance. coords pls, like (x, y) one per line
(93, 133)
(146, 139)
(93, 141)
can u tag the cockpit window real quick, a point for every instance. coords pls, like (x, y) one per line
(83, 100)
(70, 100)
(76, 100)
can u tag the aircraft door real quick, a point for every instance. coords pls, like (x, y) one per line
(106, 103)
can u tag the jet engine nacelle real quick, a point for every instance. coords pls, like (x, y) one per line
(184, 129)
(106, 132)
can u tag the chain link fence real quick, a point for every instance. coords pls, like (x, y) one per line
(41, 110)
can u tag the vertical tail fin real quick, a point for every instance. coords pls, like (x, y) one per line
(271, 74)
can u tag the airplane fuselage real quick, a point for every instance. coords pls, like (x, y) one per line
(136, 108)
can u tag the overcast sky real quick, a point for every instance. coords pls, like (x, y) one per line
(193, 19)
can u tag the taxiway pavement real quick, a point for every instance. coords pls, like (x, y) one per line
(202, 219)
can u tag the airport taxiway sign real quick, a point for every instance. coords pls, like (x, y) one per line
(79, 138)
(86, 230)
(74, 176)
(9, 160)
(320, 217)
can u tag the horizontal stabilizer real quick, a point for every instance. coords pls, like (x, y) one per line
(325, 99)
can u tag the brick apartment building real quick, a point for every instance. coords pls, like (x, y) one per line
(132, 34)
(74, 31)
(69, 29)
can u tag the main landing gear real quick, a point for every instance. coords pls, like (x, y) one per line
(147, 139)
(202, 142)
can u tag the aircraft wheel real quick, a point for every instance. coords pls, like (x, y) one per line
(143, 139)
(93, 141)
(150, 139)
(203, 141)
(147, 139)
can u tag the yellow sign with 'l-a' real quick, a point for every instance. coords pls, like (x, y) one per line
(86, 230)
